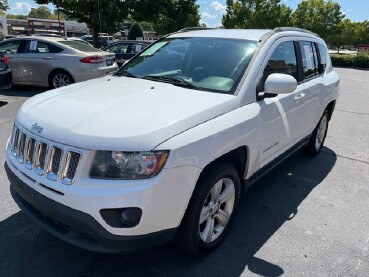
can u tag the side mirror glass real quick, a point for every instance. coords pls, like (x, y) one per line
(278, 83)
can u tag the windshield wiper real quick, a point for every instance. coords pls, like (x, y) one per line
(174, 81)
(124, 73)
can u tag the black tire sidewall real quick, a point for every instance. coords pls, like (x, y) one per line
(205, 184)
(311, 149)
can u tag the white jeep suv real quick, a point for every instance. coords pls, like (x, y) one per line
(163, 148)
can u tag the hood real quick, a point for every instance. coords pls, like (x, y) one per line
(120, 113)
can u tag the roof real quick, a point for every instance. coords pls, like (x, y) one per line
(249, 34)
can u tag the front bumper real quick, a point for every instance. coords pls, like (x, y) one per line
(76, 227)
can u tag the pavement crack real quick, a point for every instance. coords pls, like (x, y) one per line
(345, 157)
(352, 112)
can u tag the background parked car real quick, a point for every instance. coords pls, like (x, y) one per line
(126, 49)
(78, 39)
(55, 62)
(104, 41)
(6, 76)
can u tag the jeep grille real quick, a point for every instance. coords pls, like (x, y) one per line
(43, 157)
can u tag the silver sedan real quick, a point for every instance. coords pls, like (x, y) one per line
(55, 62)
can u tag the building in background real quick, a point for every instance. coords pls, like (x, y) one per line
(32, 26)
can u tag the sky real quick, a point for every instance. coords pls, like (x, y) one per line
(212, 10)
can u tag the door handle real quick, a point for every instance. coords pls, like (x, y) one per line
(47, 58)
(299, 96)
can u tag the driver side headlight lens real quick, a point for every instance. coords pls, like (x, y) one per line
(127, 165)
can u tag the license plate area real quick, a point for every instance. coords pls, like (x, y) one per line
(109, 62)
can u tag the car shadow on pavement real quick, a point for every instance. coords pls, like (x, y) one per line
(22, 91)
(273, 201)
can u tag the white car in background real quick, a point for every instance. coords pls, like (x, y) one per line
(55, 62)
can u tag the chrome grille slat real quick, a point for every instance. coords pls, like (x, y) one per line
(70, 167)
(30, 152)
(15, 143)
(43, 157)
(21, 146)
(54, 163)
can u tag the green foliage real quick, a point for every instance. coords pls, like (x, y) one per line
(166, 15)
(318, 16)
(41, 12)
(176, 15)
(4, 5)
(359, 61)
(17, 16)
(256, 14)
(135, 31)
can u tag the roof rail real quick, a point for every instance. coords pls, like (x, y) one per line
(293, 29)
(187, 29)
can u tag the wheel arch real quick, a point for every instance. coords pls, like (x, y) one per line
(59, 69)
(238, 157)
(330, 109)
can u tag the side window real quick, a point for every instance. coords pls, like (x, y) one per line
(35, 46)
(119, 48)
(283, 60)
(309, 60)
(54, 49)
(323, 56)
(10, 47)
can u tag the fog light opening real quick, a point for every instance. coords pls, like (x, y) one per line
(130, 217)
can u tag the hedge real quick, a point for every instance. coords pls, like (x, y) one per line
(360, 61)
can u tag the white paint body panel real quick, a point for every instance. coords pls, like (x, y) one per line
(118, 113)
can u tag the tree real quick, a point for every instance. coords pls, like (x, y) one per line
(16, 16)
(41, 12)
(175, 15)
(4, 5)
(135, 31)
(319, 17)
(256, 14)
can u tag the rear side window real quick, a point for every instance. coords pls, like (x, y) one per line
(309, 59)
(283, 60)
(323, 55)
(78, 45)
(10, 47)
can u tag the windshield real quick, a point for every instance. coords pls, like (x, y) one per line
(81, 46)
(211, 64)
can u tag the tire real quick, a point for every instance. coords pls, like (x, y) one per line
(318, 136)
(60, 78)
(214, 202)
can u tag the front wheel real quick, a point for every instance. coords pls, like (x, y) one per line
(318, 136)
(210, 211)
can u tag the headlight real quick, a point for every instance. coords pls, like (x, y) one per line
(127, 165)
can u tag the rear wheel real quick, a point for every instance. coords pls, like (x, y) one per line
(210, 211)
(318, 136)
(60, 78)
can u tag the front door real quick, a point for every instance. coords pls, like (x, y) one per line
(35, 62)
(280, 115)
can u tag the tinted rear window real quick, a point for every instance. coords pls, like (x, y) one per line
(78, 45)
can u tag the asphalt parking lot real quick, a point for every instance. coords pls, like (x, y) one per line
(308, 217)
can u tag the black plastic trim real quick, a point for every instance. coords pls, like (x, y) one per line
(274, 163)
(76, 227)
